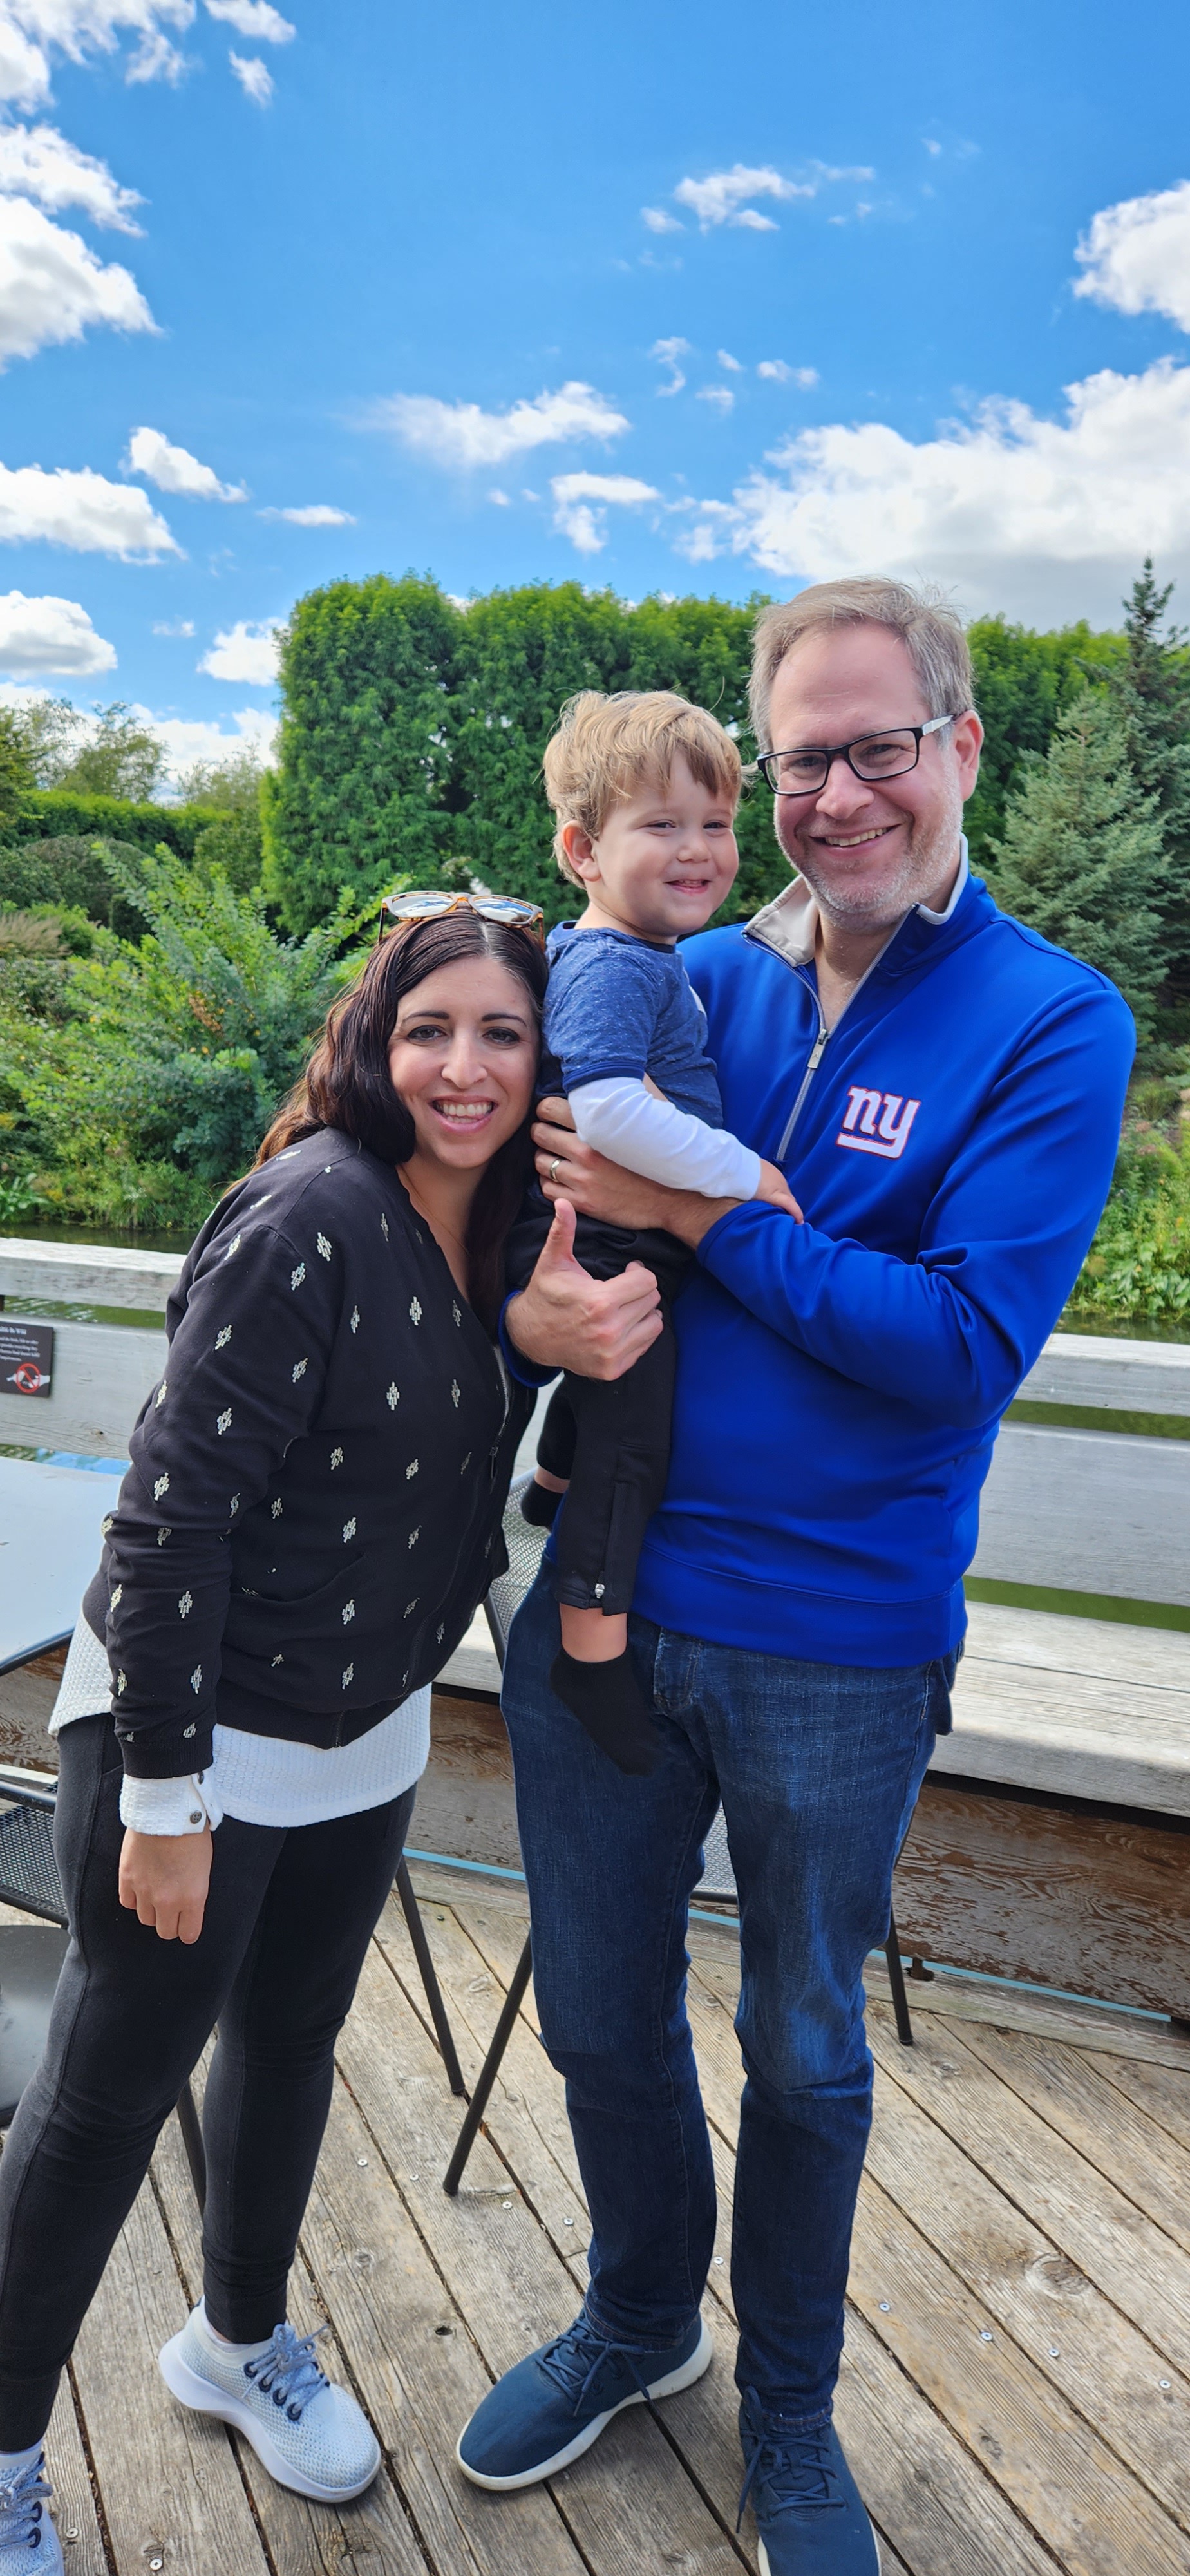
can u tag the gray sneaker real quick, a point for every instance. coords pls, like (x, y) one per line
(310, 2435)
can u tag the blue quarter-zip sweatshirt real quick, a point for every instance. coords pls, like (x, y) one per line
(840, 1383)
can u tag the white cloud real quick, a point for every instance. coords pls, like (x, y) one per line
(188, 740)
(316, 514)
(501, 499)
(49, 635)
(254, 77)
(53, 288)
(459, 434)
(245, 653)
(734, 366)
(24, 71)
(80, 510)
(777, 372)
(723, 197)
(584, 524)
(37, 161)
(1137, 255)
(720, 397)
(77, 28)
(175, 626)
(932, 148)
(669, 352)
(1046, 519)
(659, 222)
(174, 469)
(254, 18)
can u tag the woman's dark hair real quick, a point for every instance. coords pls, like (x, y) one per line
(347, 1083)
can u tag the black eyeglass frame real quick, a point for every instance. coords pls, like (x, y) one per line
(843, 751)
(428, 904)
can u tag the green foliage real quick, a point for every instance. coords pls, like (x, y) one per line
(53, 813)
(233, 842)
(69, 873)
(1081, 857)
(359, 798)
(107, 754)
(1151, 689)
(141, 1083)
(1139, 1264)
(1022, 683)
(16, 767)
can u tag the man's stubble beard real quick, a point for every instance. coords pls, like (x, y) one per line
(929, 851)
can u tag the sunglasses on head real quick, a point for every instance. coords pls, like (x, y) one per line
(506, 908)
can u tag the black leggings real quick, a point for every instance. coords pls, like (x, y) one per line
(287, 1925)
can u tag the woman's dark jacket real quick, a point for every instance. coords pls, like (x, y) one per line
(312, 1512)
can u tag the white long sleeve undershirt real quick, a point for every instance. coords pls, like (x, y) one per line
(631, 1126)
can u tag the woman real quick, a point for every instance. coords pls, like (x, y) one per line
(311, 1514)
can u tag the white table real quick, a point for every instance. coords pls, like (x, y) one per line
(50, 1540)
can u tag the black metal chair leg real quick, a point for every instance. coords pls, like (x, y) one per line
(191, 2128)
(421, 1950)
(896, 1979)
(490, 2069)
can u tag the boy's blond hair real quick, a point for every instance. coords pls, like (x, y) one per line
(605, 748)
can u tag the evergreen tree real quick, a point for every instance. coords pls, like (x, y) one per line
(1081, 858)
(16, 768)
(1152, 692)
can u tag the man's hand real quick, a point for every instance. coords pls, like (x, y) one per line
(774, 1189)
(600, 1188)
(566, 1319)
(164, 1880)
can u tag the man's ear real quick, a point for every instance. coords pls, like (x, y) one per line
(967, 739)
(580, 851)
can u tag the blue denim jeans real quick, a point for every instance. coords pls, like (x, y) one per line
(818, 1767)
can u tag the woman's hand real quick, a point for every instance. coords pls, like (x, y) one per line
(565, 1319)
(592, 1184)
(164, 1880)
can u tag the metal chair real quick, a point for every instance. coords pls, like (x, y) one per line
(525, 1547)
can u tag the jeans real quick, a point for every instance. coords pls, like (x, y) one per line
(818, 1767)
(287, 1925)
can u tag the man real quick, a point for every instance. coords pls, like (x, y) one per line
(943, 1092)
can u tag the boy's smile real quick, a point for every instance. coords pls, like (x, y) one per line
(663, 863)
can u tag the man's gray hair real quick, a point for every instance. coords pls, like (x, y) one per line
(929, 629)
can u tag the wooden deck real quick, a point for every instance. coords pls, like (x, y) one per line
(1016, 2390)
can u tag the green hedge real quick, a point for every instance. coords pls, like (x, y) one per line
(50, 813)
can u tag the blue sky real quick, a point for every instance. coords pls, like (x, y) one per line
(671, 299)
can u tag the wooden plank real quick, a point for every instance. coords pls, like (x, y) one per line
(921, 2486)
(1087, 2218)
(88, 1274)
(1124, 2035)
(303, 2539)
(1115, 1376)
(73, 2505)
(1091, 1904)
(499, 2268)
(466, 1805)
(1163, 2092)
(102, 1374)
(1089, 1511)
(1074, 2491)
(167, 2478)
(1041, 1718)
(27, 1696)
(1112, 2133)
(1077, 2339)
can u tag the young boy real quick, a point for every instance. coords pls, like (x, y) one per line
(645, 788)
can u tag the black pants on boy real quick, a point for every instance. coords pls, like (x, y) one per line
(610, 1436)
(287, 1925)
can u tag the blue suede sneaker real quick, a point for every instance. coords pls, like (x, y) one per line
(808, 2508)
(29, 2544)
(549, 2409)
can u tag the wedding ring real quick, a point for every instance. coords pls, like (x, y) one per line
(552, 1173)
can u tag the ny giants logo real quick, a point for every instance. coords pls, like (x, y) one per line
(877, 1122)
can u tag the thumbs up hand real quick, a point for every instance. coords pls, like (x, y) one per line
(566, 1319)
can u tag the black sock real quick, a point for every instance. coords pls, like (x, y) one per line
(539, 1506)
(608, 1701)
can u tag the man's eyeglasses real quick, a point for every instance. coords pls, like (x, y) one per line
(871, 756)
(506, 908)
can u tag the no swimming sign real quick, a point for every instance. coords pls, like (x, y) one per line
(26, 1357)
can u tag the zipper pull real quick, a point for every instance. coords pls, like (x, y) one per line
(816, 1051)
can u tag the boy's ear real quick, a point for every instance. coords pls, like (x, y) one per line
(580, 850)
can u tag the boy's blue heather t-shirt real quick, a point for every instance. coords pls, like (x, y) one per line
(616, 1005)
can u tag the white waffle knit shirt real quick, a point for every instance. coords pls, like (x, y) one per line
(260, 1779)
